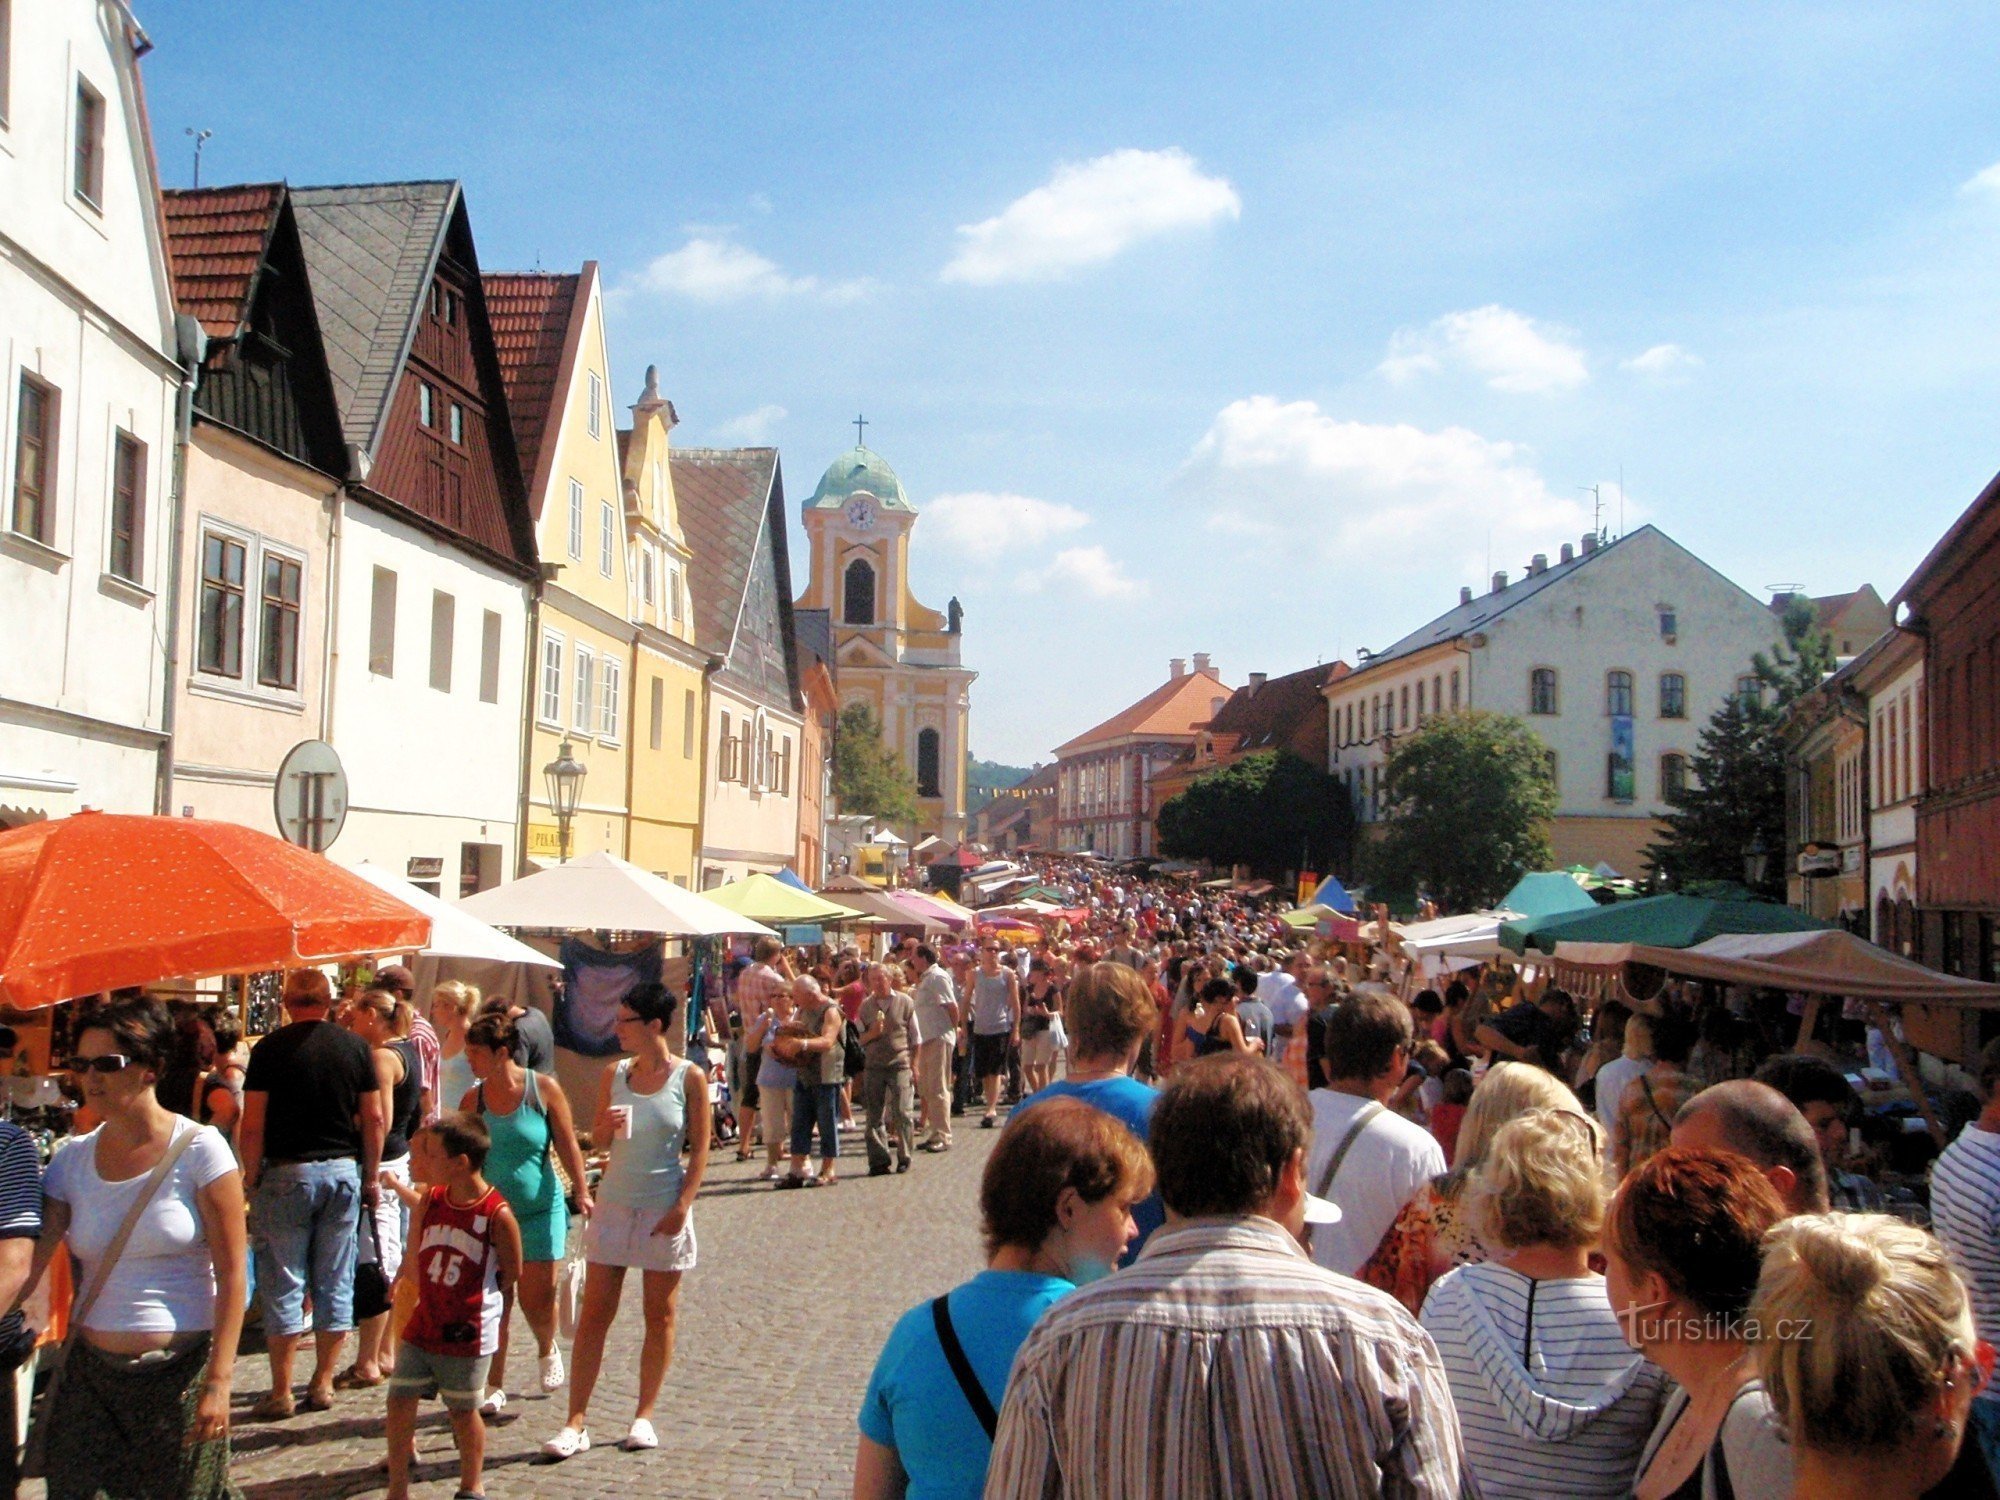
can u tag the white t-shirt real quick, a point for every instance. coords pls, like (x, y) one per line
(164, 1281)
(1281, 992)
(1383, 1169)
(1612, 1080)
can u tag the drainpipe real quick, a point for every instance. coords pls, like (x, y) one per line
(713, 665)
(543, 574)
(190, 347)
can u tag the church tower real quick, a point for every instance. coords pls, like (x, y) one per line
(891, 652)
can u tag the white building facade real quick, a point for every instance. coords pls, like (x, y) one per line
(92, 381)
(1889, 677)
(1615, 655)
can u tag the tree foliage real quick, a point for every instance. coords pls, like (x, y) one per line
(868, 777)
(1735, 794)
(1466, 804)
(1270, 811)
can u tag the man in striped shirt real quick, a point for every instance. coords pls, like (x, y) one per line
(1224, 1362)
(1965, 1214)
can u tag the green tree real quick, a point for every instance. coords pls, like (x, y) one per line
(1734, 799)
(868, 777)
(1270, 811)
(1466, 806)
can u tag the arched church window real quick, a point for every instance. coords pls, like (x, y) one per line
(927, 763)
(858, 596)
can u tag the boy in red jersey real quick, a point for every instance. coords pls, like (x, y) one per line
(464, 1256)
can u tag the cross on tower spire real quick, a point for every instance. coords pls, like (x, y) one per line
(860, 437)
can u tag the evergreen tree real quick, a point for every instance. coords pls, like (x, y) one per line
(1269, 811)
(868, 778)
(1466, 802)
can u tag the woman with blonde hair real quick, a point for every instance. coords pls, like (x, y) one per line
(1551, 1399)
(453, 1005)
(1867, 1349)
(1434, 1232)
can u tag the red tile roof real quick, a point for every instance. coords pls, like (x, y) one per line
(531, 312)
(215, 242)
(1170, 711)
(1283, 713)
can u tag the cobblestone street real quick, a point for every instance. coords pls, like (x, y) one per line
(761, 1398)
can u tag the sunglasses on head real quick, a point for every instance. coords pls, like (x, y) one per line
(110, 1062)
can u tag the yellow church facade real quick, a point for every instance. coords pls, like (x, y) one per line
(893, 653)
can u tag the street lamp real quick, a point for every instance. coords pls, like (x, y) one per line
(1756, 862)
(565, 778)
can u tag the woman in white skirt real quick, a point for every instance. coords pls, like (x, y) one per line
(644, 1219)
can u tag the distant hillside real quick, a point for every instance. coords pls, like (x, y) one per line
(985, 777)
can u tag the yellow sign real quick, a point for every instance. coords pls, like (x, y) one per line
(871, 863)
(545, 841)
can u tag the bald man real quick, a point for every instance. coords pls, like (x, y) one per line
(1755, 1120)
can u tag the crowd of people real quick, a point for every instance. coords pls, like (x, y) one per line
(1263, 1216)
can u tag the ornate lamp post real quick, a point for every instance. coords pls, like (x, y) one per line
(565, 780)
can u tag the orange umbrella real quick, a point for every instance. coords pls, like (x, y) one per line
(98, 901)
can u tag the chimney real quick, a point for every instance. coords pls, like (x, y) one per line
(1539, 563)
(1465, 593)
(1201, 661)
(1568, 553)
(1177, 669)
(1589, 543)
(1257, 680)
(1500, 581)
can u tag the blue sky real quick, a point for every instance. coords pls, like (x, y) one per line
(1248, 330)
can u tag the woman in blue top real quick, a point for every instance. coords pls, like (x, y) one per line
(651, 1104)
(1056, 1201)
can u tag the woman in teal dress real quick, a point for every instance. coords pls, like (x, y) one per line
(528, 1116)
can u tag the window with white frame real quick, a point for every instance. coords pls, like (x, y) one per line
(278, 621)
(596, 412)
(581, 717)
(248, 616)
(552, 669)
(611, 702)
(576, 519)
(646, 575)
(224, 564)
(607, 529)
(87, 177)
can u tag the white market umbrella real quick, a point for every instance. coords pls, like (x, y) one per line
(454, 934)
(602, 892)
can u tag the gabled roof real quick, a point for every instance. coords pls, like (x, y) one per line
(1172, 709)
(1273, 715)
(537, 318)
(724, 496)
(370, 250)
(216, 242)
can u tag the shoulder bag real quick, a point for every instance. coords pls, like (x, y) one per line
(961, 1368)
(33, 1459)
(1354, 1128)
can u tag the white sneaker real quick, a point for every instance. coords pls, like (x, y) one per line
(640, 1437)
(552, 1368)
(567, 1443)
(494, 1404)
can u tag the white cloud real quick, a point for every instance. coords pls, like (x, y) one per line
(1090, 571)
(1508, 350)
(982, 524)
(1377, 495)
(1088, 212)
(1664, 360)
(753, 427)
(713, 268)
(1986, 180)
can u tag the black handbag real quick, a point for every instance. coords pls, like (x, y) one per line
(371, 1287)
(855, 1060)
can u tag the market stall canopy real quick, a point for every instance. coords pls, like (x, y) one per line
(1333, 896)
(1659, 921)
(877, 903)
(1828, 962)
(1473, 935)
(98, 901)
(454, 934)
(1548, 894)
(601, 892)
(925, 906)
(765, 898)
(792, 878)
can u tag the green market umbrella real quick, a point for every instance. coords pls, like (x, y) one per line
(776, 903)
(1549, 894)
(1676, 921)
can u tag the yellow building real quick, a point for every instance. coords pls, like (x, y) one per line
(891, 652)
(669, 680)
(549, 331)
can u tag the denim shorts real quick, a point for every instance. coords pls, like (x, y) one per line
(304, 1228)
(460, 1378)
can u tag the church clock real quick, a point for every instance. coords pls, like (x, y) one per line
(860, 513)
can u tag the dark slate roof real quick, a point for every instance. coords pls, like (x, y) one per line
(216, 241)
(369, 250)
(531, 313)
(723, 495)
(813, 630)
(1283, 713)
(1484, 608)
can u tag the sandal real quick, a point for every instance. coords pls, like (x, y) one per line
(351, 1379)
(273, 1408)
(792, 1181)
(316, 1402)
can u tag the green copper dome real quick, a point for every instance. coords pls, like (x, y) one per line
(856, 470)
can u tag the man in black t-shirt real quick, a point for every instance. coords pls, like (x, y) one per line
(311, 1145)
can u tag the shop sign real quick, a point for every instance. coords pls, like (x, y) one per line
(426, 867)
(544, 841)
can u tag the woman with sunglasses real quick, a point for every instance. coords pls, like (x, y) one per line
(651, 1105)
(1551, 1399)
(1867, 1347)
(143, 1407)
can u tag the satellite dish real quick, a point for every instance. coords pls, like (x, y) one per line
(311, 795)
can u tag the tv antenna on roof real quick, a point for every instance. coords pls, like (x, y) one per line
(200, 137)
(1596, 493)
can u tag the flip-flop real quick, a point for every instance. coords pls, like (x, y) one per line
(270, 1409)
